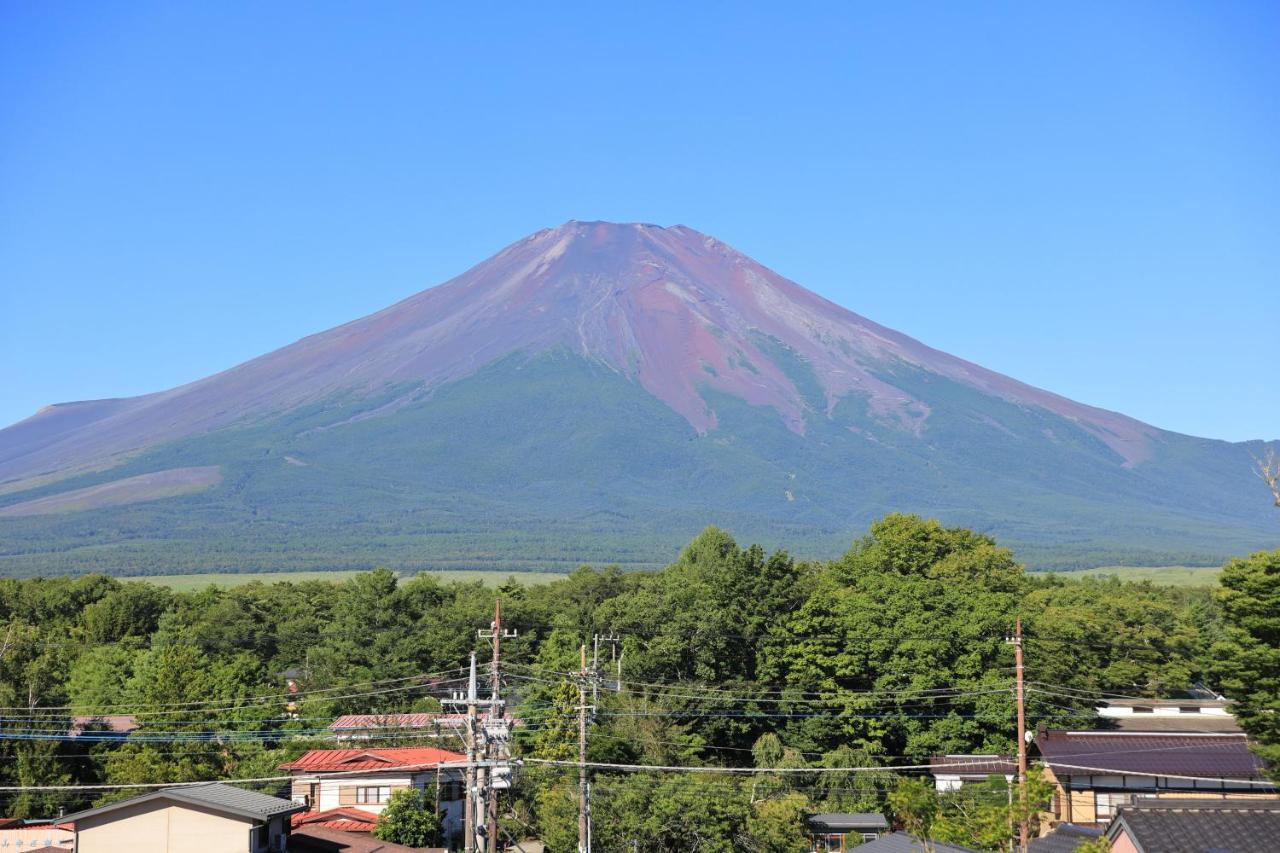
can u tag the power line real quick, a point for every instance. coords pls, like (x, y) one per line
(300, 694)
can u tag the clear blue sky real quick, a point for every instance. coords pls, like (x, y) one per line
(1083, 196)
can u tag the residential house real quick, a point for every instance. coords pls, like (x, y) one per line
(1195, 714)
(1064, 838)
(103, 726)
(319, 839)
(902, 842)
(951, 772)
(328, 779)
(433, 725)
(344, 818)
(1196, 826)
(367, 726)
(1096, 772)
(836, 832)
(209, 817)
(19, 836)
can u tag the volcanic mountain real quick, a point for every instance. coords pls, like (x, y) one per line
(599, 392)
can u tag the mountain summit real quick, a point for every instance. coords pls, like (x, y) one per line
(755, 401)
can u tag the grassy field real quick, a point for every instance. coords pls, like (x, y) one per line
(1162, 575)
(184, 583)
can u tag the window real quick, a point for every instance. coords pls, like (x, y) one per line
(1108, 804)
(373, 794)
(1189, 709)
(451, 789)
(828, 843)
(1143, 709)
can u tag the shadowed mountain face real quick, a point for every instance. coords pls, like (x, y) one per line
(743, 397)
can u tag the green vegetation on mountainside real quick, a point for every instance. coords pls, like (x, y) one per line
(544, 463)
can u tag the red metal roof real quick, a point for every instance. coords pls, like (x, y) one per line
(1210, 755)
(391, 758)
(362, 722)
(407, 721)
(344, 817)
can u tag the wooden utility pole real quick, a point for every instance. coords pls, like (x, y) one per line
(1024, 829)
(584, 804)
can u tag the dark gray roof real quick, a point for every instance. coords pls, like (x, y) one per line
(901, 842)
(214, 795)
(847, 821)
(1199, 826)
(1064, 838)
(1087, 753)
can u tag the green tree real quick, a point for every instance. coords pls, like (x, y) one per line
(983, 817)
(1248, 667)
(776, 825)
(913, 607)
(916, 805)
(409, 818)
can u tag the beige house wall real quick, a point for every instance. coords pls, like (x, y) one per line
(160, 827)
(1217, 795)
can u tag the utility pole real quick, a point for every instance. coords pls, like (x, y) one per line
(596, 640)
(496, 727)
(481, 818)
(1024, 828)
(469, 840)
(584, 804)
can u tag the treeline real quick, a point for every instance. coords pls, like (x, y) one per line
(730, 656)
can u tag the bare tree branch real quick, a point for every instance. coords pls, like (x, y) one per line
(1268, 470)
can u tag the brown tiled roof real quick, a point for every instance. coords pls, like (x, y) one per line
(1183, 754)
(1176, 825)
(391, 758)
(974, 765)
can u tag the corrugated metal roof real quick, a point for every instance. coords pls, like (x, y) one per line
(391, 758)
(406, 721)
(1186, 754)
(231, 797)
(973, 765)
(324, 840)
(226, 798)
(1188, 723)
(847, 822)
(1065, 838)
(901, 842)
(343, 817)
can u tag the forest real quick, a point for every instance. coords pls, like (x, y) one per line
(728, 657)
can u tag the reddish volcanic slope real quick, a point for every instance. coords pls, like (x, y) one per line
(669, 308)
